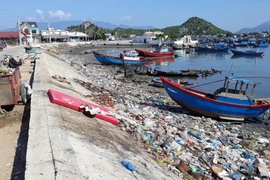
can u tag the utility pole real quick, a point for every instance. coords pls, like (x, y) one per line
(49, 30)
(19, 30)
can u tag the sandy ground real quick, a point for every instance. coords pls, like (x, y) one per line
(14, 128)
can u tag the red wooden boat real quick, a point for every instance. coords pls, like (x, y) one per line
(155, 53)
(76, 104)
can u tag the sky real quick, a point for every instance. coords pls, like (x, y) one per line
(231, 15)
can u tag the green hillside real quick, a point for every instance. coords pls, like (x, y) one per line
(193, 26)
(196, 26)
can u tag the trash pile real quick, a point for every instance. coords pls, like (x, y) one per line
(8, 64)
(2, 113)
(190, 146)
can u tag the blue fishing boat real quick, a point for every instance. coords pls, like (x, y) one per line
(225, 103)
(247, 53)
(212, 48)
(263, 44)
(105, 59)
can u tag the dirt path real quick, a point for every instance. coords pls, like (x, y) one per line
(14, 128)
(13, 140)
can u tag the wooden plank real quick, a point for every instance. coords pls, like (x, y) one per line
(231, 118)
(261, 99)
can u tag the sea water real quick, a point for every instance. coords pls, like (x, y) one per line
(256, 68)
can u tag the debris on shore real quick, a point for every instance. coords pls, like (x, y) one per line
(2, 113)
(189, 146)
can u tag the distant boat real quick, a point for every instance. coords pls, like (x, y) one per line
(213, 48)
(240, 44)
(263, 44)
(155, 53)
(226, 103)
(247, 53)
(246, 57)
(105, 59)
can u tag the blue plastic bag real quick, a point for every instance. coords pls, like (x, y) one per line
(128, 165)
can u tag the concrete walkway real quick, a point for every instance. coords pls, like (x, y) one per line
(65, 144)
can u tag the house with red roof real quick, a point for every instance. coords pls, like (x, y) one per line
(11, 38)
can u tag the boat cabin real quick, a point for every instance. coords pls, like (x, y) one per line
(235, 90)
(131, 53)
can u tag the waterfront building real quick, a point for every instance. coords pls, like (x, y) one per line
(147, 37)
(52, 35)
(11, 38)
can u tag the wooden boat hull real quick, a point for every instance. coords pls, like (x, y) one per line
(104, 59)
(246, 53)
(154, 54)
(205, 49)
(201, 103)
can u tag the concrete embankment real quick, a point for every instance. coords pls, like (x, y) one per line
(65, 144)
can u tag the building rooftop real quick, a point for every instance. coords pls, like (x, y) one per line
(9, 34)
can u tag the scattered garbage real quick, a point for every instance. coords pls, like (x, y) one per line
(189, 146)
(60, 79)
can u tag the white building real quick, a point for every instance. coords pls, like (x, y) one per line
(51, 35)
(109, 37)
(147, 37)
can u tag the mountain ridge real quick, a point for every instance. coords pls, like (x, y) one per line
(66, 24)
(261, 27)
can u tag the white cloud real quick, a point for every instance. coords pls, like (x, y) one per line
(59, 14)
(40, 14)
(31, 19)
(127, 18)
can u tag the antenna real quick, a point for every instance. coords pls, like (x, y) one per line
(230, 70)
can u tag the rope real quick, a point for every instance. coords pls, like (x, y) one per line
(207, 83)
(262, 77)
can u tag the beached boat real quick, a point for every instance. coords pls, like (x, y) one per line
(131, 55)
(213, 48)
(226, 103)
(105, 59)
(155, 53)
(247, 53)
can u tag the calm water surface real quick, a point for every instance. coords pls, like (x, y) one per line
(255, 67)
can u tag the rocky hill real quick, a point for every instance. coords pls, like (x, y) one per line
(194, 26)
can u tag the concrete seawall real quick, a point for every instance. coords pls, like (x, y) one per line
(65, 144)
